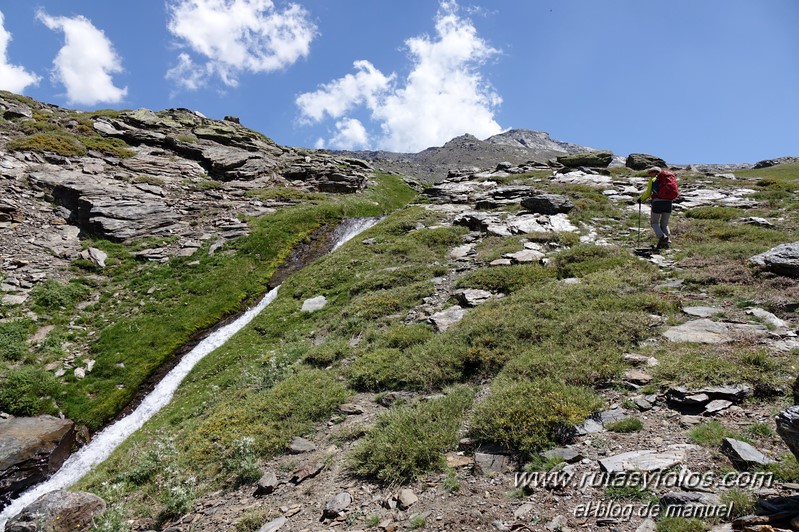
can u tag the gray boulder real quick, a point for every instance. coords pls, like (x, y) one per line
(782, 260)
(58, 511)
(337, 505)
(788, 428)
(743, 455)
(448, 317)
(642, 161)
(31, 449)
(548, 204)
(596, 159)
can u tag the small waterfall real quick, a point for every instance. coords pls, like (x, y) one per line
(352, 227)
(108, 439)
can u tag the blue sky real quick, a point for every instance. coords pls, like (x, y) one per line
(688, 80)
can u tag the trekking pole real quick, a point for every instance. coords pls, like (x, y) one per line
(639, 225)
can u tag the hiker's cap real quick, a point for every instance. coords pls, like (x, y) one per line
(655, 169)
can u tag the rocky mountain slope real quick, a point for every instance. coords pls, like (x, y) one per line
(505, 321)
(467, 151)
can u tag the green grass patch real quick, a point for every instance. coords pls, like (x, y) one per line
(13, 336)
(681, 524)
(786, 469)
(408, 441)
(693, 365)
(583, 259)
(761, 430)
(27, 391)
(743, 502)
(54, 142)
(284, 194)
(712, 434)
(626, 426)
(506, 279)
(630, 493)
(528, 416)
(193, 297)
(789, 172)
(714, 213)
(52, 295)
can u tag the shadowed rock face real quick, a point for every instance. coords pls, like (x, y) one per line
(57, 511)
(30, 450)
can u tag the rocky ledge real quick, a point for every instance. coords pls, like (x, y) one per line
(129, 175)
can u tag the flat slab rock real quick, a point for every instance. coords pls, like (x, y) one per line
(742, 454)
(447, 318)
(702, 312)
(706, 331)
(471, 297)
(313, 304)
(644, 460)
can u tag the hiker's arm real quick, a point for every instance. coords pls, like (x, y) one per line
(648, 192)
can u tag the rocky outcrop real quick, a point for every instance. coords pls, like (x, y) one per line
(58, 511)
(642, 161)
(548, 204)
(172, 174)
(774, 162)
(30, 450)
(788, 428)
(595, 159)
(782, 260)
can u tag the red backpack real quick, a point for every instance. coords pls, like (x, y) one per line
(666, 186)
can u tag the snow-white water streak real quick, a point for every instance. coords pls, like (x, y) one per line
(105, 441)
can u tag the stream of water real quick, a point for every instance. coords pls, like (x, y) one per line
(104, 442)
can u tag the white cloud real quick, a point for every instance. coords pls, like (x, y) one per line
(234, 36)
(334, 99)
(12, 77)
(444, 96)
(350, 135)
(86, 61)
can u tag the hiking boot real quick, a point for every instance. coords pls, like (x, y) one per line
(663, 243)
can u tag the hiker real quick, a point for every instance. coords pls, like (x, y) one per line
(662, 189)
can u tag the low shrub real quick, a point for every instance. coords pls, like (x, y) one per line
(408, 441)
(28, 391)
(328, 353)
(711, 434)
(528, 416)
(13, 336)
(51, 294)
(381, 369)
(58, 143)
(506, 279)
(626, 425)
(713, 213)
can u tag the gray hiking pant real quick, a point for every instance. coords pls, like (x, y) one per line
(660, 223)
